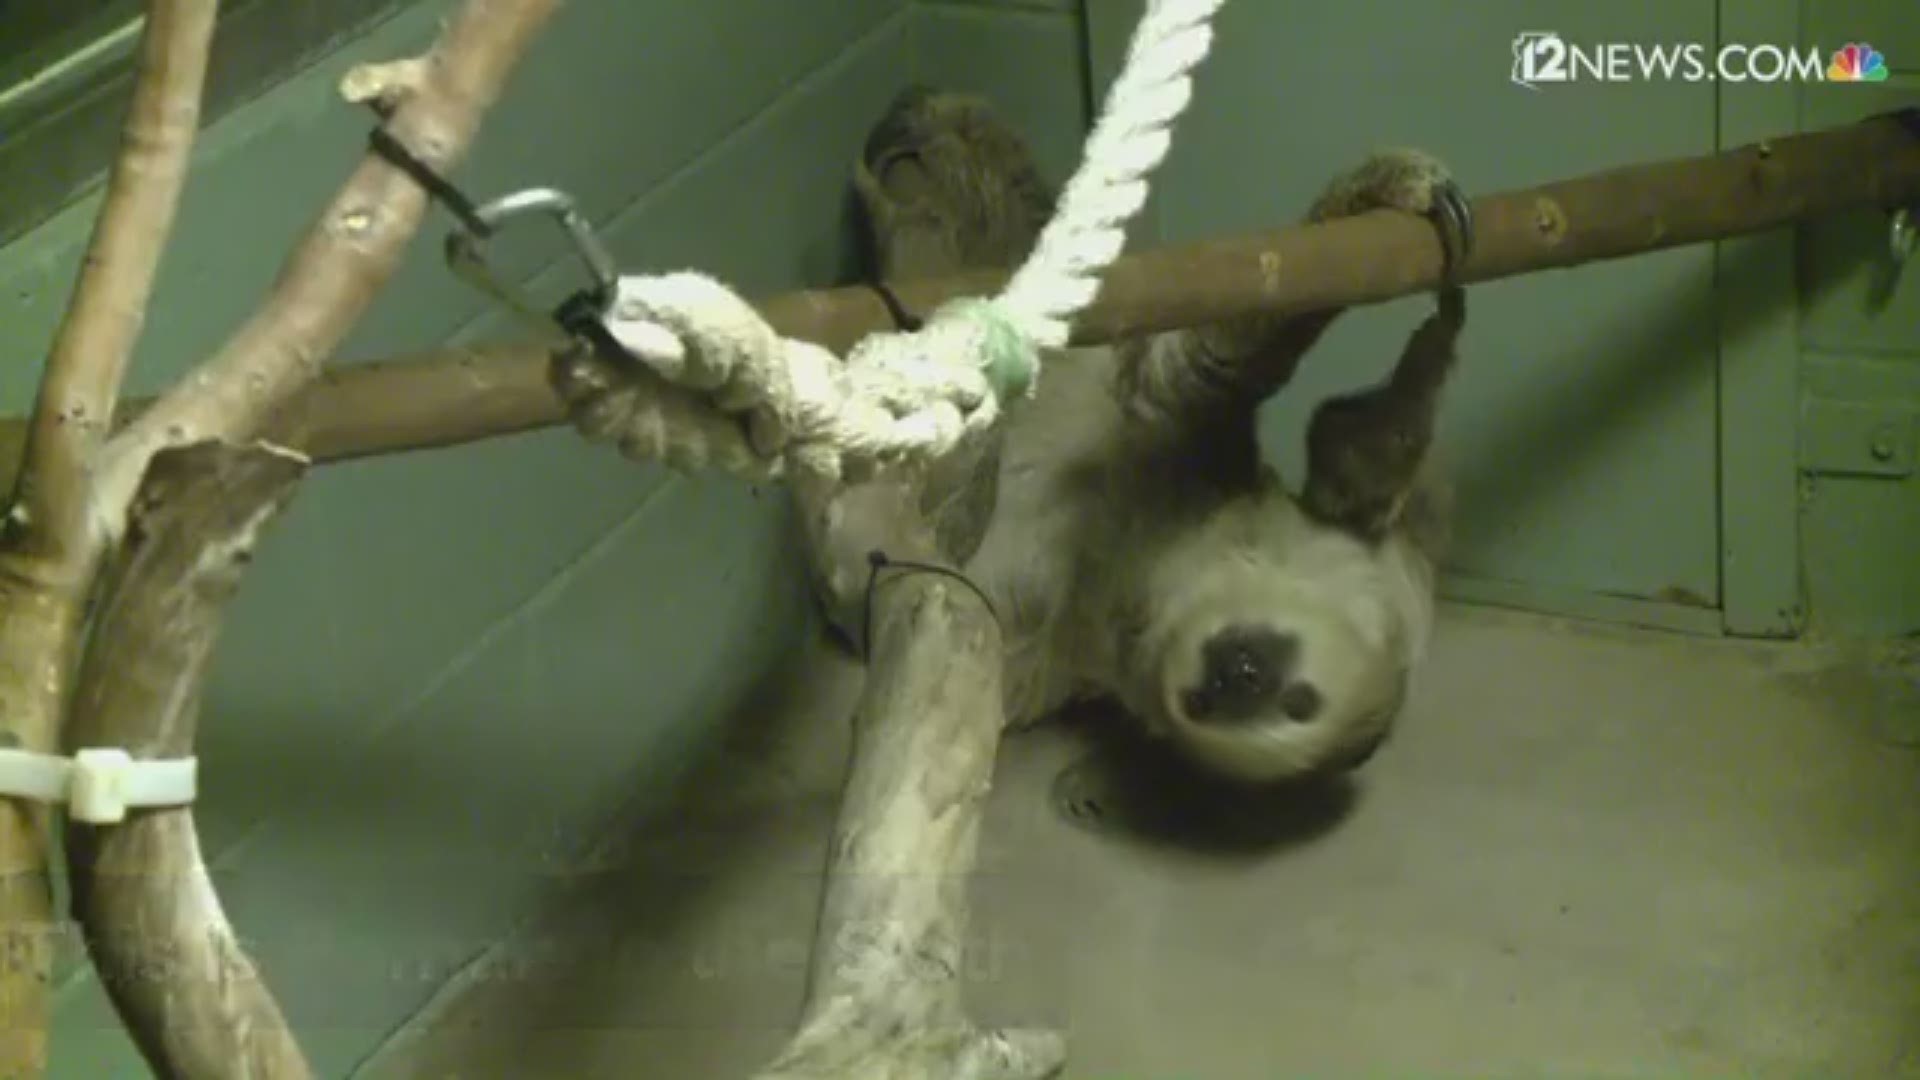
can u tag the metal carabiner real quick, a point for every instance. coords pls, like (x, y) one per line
(466, 261)
(1903, 236)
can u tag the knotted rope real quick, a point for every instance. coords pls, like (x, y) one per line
(903, 398)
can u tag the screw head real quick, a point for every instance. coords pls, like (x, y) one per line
(1881, 446)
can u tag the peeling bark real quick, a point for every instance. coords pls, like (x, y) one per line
(885, 994)
(141, 893)
(384, 86)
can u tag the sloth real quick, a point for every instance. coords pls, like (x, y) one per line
(1137, 548)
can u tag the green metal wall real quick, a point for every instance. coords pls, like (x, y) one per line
(1859, 344)
(1571, 388)
(1028, 57)
(447, 666)
(1629, 438)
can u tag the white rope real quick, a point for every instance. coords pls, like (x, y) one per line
(899, 399)
(1089, 229)
(790, 403)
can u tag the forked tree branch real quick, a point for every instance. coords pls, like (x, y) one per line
(96, 337)
(47, 554)
(347, 256)
(153, 924)
(323, 288)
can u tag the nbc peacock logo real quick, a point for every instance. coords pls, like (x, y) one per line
(1857, 62)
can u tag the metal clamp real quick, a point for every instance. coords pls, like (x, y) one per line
(465, 258)
(1903, 235)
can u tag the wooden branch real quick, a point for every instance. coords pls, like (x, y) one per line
(347, 256)
(446, 397)
(885, 995)
(370, 409)
(153, 924)
(74, 495)
(1625, 212)
(103, 319)
(47, 556)
(383, 87)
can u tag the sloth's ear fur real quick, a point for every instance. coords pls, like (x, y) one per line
(947, 186)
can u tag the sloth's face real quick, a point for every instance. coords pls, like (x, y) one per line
(1265, 665)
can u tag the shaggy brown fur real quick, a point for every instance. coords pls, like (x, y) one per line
(1136, 544)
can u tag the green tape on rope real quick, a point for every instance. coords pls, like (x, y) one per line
(1009, 361)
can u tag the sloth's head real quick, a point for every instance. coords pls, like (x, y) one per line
(1270, 661)
(947, 186)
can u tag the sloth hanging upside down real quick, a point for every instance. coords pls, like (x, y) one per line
(1134, 543)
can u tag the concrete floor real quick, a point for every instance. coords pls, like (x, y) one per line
(1587, 852)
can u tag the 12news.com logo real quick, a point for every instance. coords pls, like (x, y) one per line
(1543, 56)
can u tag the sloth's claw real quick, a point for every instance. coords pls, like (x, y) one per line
(1452, 214)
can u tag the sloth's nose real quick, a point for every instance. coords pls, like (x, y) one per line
(1245, 675)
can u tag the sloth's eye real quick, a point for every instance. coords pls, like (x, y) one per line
(1301, 701)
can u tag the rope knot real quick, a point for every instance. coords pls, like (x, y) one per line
(1008, 359)
(717, 383)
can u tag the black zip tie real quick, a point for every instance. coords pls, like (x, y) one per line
(902, 318)
(579, 315)
(437, 186)
(878, 560)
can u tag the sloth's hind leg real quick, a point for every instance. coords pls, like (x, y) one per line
(1367, 453)
(1369, 461)
(1210, 378)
